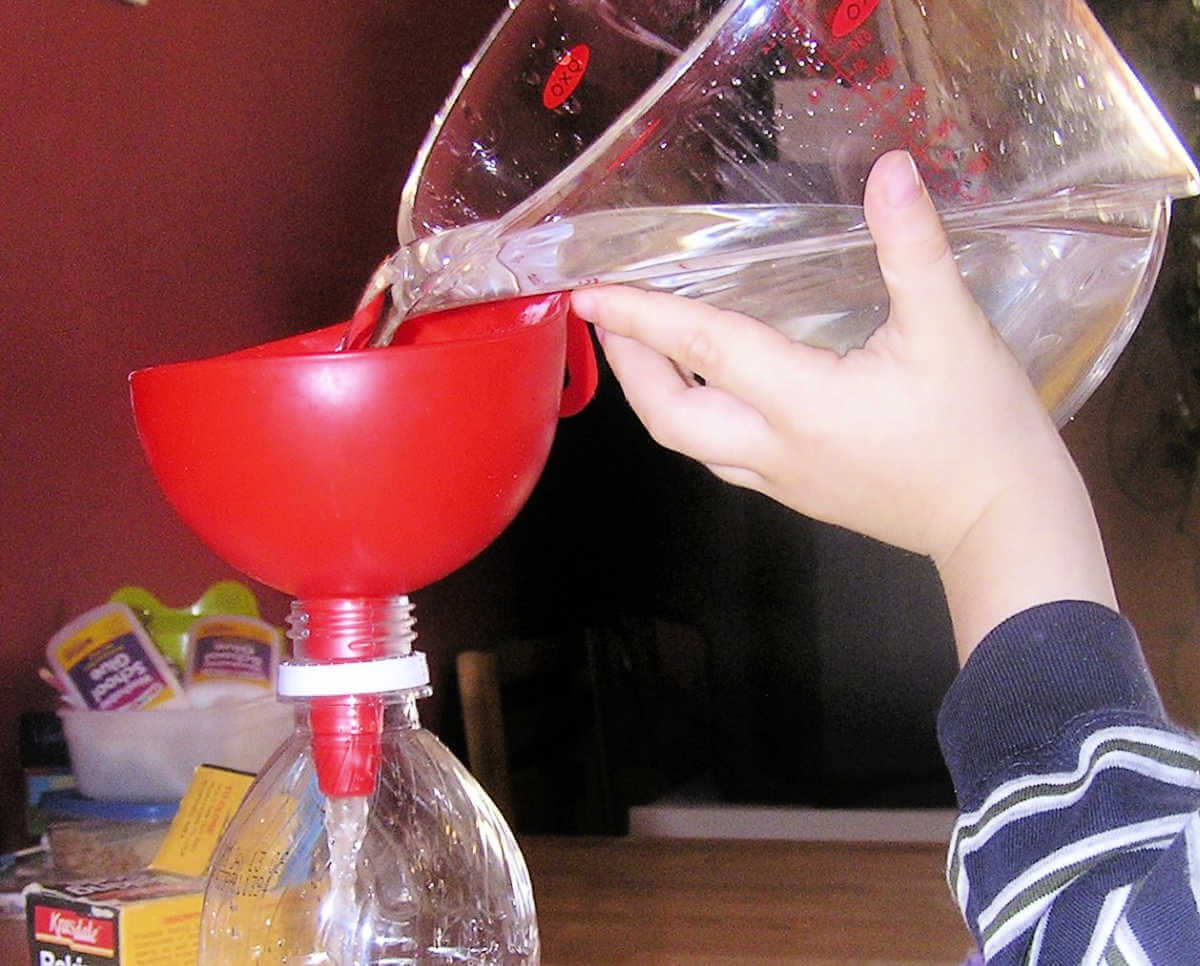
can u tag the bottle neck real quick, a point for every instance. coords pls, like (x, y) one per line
(353, 663)
(331, 630)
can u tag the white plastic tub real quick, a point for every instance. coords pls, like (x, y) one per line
(150, 755)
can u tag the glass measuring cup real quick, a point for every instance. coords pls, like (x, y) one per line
(720, 149)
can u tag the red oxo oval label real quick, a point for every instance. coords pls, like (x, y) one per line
(850, 15)
(566, 76)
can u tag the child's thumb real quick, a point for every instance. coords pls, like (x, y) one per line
(913, 250)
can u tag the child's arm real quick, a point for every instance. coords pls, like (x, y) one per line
(930, 437)
(1079, 839)
(1079, 830)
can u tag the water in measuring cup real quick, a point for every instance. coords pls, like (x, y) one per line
(1063, 279)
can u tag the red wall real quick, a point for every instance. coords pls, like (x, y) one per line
(176, 180)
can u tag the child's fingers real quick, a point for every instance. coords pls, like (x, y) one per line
(913, 249)
(728, 350)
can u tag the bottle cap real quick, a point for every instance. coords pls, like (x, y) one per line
(405, 672)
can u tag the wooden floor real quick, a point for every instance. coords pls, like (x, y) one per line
(665, 902)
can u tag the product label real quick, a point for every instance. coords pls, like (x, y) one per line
(156, 924)
(567, 75)
(850, 14)
(233, 650)
(162, 932)
(207, 807)
(77, 929)
(256, 867)
(46, 957)
(109, 664)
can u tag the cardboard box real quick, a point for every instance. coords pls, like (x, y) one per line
(149, 918)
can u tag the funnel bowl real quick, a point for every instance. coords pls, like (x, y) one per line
(360, 473)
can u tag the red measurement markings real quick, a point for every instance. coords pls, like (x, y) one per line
(893, 109)
(889, 107)
(893, 112)
(854, 73)
(566, 77)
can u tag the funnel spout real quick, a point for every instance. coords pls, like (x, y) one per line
(349, 653)
(347, 744)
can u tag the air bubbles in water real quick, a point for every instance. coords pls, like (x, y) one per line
(345, 829)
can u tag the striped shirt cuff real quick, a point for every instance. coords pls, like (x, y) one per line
(1047, 668)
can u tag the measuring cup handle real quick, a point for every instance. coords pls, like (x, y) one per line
(583, 374)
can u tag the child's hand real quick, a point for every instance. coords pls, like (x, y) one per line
(930, 437)
(907, 439)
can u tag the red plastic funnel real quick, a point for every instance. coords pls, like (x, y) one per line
(365, 473)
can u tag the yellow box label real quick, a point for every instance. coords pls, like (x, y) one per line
(206, 809)
(162, 932)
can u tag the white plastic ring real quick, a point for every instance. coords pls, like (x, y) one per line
(405, 672)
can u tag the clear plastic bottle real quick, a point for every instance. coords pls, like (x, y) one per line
(364, 840)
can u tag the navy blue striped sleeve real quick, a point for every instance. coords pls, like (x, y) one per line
(1078, 837)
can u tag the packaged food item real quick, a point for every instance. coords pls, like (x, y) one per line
(230, 658)
(107, 661)
(150, 917)
(141, 919)
(95, 838)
